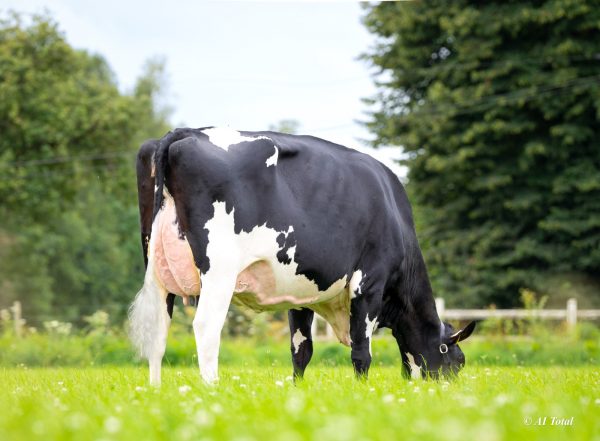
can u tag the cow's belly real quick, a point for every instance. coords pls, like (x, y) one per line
(264, 283)
(271, 285)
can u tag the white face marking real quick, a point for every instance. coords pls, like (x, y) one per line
(371, 327)
(272, 160)
(354, 285)
(225, 137)
(297, 340)
(415, 369)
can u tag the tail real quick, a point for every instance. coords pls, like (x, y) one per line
(146, 313)
(161, 162)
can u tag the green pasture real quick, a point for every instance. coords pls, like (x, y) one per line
(262, 403)
(90, 387)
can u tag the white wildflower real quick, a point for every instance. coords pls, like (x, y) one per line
(184, 389)
(112, 424)
(388, 398)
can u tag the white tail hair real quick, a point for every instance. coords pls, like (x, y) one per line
(146, 315)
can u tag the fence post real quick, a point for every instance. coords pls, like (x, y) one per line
(16, 308)
(313, 326)
(440, 305)
(571, 313)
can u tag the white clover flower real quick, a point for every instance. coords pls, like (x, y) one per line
(112, 424)
(184, 389)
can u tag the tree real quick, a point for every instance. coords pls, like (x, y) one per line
(497, 106)
(67, 180)
(290, 126)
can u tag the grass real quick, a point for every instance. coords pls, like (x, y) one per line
(90, 387)
(115, 403)
(41, 350)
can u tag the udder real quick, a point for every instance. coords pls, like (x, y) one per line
(173, 257)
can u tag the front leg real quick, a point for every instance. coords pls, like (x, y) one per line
(301, 339)
(217, 291)
(364, 311)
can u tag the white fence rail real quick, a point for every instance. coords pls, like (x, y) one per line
(322, 331)
(571, 314)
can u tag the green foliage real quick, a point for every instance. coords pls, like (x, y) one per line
(290, 126)
(67, 186)
(497, 106)
(61, 345)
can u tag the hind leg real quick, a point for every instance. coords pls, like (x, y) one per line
(300, 321)
(155, 356)
(217, 290)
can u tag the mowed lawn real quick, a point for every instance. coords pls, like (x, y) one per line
(262, 403)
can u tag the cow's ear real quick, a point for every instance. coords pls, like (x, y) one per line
(463, 334)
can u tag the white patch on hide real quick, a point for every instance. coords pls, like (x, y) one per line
(354, 285)
(272, 160)
(297, 340)
(224, 137)
(415, 369)
(243, 249)
(371, 327)
(291, 252)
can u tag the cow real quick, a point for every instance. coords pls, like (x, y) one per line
(282, 222)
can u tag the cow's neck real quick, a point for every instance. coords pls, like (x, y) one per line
(416, 324)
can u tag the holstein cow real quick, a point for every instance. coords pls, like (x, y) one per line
(279, 221)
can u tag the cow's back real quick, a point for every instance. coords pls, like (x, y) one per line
(341, 210)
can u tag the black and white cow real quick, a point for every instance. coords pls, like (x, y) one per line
(279, 221)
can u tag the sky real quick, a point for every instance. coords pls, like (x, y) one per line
(242, 64)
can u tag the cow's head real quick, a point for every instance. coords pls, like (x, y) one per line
(436, 354)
